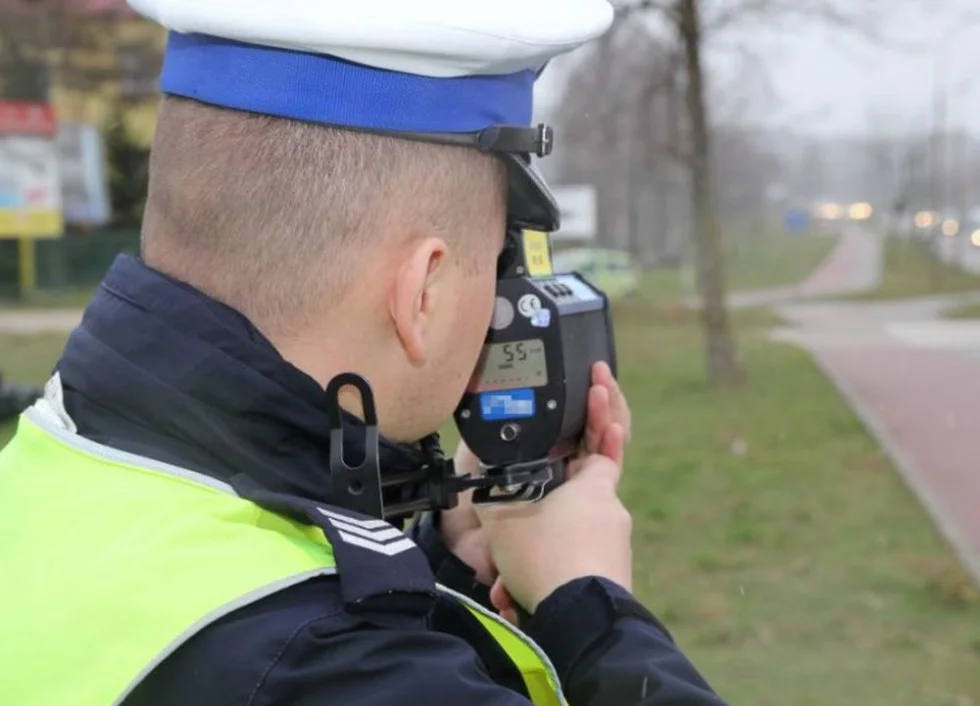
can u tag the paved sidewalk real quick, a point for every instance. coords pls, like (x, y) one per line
(853, 266)
(34, 321)
(914, 379)
(924, 408)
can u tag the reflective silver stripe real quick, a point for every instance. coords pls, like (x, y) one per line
(224, 610)
(545, 660)
(48, 425)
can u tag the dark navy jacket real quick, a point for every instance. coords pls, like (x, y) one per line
(158, 369)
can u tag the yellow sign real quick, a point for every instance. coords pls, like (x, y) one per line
(537, 253)
(30, 223)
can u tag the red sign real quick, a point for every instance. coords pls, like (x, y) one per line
(27, 118)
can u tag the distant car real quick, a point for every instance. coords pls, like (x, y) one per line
(613, 271)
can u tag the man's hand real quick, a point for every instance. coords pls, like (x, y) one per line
(461, 528)
(580, 529)
(607, 406)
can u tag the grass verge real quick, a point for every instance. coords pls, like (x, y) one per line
(26, 358)
(908, 271)
(778, 542)
(772, 536)
(966, 311)
(755, 260)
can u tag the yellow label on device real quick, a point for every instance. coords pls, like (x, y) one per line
(537, 253)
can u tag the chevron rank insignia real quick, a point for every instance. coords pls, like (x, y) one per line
(373, 535)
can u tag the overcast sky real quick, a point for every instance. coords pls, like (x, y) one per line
(827, 81)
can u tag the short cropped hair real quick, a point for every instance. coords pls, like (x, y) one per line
(275, 217)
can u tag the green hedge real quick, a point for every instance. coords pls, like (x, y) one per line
(70, 263)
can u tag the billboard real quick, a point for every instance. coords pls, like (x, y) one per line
(84, 178)
(30, 183)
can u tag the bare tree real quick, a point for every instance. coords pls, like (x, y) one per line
(84, 51)
(693, 29)
(23, 67)
(619, 123)
(623, 130)
(746, 168)
(723, 364)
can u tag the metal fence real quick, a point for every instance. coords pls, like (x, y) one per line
(72, 263)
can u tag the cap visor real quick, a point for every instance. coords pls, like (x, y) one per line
(530, 203)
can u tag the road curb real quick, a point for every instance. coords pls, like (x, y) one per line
(907, 468)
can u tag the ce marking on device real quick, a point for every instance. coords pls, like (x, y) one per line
(528, 305)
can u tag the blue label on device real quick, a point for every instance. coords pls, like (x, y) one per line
(507, 404)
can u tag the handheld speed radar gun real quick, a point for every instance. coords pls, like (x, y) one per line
(525, 410)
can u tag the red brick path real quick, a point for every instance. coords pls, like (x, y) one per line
(924, 407)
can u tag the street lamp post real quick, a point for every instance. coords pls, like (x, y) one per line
(938, 172)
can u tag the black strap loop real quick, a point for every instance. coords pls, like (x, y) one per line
(355, 487)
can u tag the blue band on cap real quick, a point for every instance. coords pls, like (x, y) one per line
(324, 89)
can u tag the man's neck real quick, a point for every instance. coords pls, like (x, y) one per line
(324, 352)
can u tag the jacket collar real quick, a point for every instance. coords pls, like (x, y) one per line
(158, 368)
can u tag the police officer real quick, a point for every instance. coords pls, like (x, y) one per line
(328, 193)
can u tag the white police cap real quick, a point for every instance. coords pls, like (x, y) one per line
(459, 71)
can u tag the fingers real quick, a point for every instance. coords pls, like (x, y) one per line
(602, 374)
(511, 617)
(619, 410)
(598, 418)
(487, 515)
(464, 459)
(601, 468)
(499, 597)
(613, 444)
(502, 601)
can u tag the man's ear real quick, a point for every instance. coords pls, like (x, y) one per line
(415, 295)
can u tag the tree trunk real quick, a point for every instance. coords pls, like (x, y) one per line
(635, 187)
(722, 359)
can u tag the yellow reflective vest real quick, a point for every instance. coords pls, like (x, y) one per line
(135, 557)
